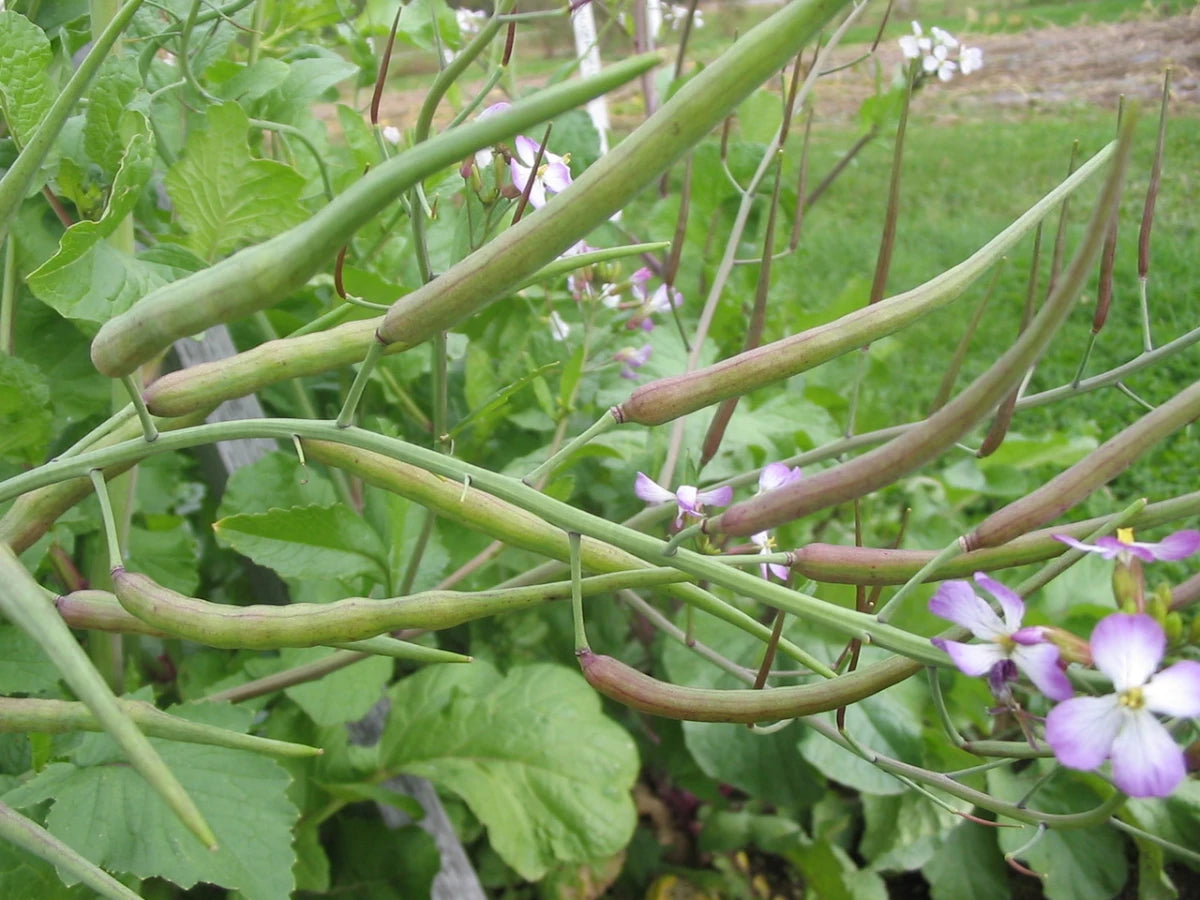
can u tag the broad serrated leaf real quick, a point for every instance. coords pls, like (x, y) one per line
(277, 481)
(968, 864)
(307, 80)
(342, 696)
(88, 278)
(768, 767)
(223, 196)
(307, 542)
(25, 90)
(171, 558)
(242, 795)
(530, 753)
(105, 131)
(903, 830)
(888, 722)
(26, 413)
(24, 666)
(1074, 863)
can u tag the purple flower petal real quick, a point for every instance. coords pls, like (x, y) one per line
(1106, 552)
(689, 499)
(1175, 691)
(956, 601)
(1146, 761)
(1040, 663)
(971, 659)
(776, 475)
(1013, 606)
(649, 490)
(1127, 649)
(557, 176)
(1176, 546)
(1081, 730)
(717, 496)
(1113, 547)
(780, 571)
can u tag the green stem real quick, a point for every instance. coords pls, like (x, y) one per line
(847, 622)
(581, 641)
(106, 516)
(8, 297)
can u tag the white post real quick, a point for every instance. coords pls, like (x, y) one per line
(587, 48)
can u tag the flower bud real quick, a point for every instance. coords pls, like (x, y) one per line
(1071, 647)
(1128, 586)
(1173, 626)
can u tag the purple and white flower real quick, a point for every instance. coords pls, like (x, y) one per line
(1004, 640)
(776, 475)
(766, 545)
(1085, 731)
(936, 52)
(1179, 545)
(553, 173)
(663, 299)
(631, 360)
(689, 500)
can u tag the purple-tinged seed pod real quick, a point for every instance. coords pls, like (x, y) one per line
(637, 690)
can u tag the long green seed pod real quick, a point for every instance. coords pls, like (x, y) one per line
(204, 386)
(62, 716)
(628, 686)
(22, 603)
(492, 270)
(921, 444)
(260, 276)
(1095, 470)
(102, 611)
(518, 527)
(841, 564)
(262, 627)
(677, 395)
(31, 837)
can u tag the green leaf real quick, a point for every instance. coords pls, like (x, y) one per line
(242, 795)
(223, 196)
(372, 861)
(25, 90)
(104, 130)
(24, 666)
(26, 414)
(888, 722)
(307, 542)
(768, 767)
(759, 116)
(530, 753)
(903, 830)
(88, 278)
(1075, 863)
(831, 874)
(968, 864)
(342, 696)
(277, 481)
(171, 557)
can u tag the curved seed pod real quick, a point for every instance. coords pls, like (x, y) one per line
(516, 526)
(677, 395)
(927, 440)
(262, 627)
(259, 276)
(1095, 470)
(842, 564)
(639, 691)
(101, 611)
(62, 716)
(492, 270)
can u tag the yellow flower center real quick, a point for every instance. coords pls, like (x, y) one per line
(1125, 535)
(1132, 698)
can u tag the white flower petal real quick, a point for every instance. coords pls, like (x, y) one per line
(1081, 730)
(689, 498)
(1040, 663)
(1146, 761)
(1012, 605)
(1127, 649)
(646, 488)
(717, 496)
(956, 601)
(1175, 691)
(776, 475)
(971, 659)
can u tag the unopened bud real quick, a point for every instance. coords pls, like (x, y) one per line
(1071, 647)
(1194, 631)
(1128, 587)
(1173, 626)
